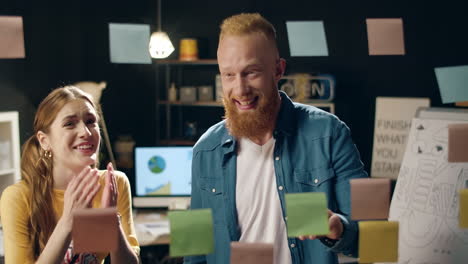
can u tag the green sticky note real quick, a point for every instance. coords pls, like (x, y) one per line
(307, 214)
(191, 232)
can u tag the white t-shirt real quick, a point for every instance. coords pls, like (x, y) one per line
(258, 205)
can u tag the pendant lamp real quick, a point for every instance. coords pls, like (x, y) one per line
(160, 45)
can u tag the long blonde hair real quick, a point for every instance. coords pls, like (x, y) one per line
(37, 165)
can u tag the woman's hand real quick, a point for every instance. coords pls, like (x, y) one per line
(110, 193)
(80, 193)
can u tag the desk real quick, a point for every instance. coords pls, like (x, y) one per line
(152, 230)
(152, 227)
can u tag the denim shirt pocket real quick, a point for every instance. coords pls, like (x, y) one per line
(211, 185)
(319, 179)
(212, 197)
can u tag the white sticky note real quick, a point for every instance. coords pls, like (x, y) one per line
(129, 43)
(307, 38)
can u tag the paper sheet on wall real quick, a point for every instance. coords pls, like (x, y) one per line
(11, 37)
(392, 124)
(307, 38)
(128, 43)
(425, 200)
(453, 83)
(385, 36)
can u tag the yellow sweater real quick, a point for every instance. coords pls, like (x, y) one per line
(15, 214)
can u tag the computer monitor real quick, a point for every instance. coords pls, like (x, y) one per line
(162, 177)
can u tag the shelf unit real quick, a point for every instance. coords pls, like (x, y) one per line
(168, 67)
(320, 104)
(169, 105)
(9, 149)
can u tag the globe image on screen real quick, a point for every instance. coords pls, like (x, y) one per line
(156, 164)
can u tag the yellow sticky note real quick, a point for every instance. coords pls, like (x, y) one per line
(378, 241)
(463, 215)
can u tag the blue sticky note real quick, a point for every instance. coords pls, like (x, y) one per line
(453, 83)
(129, 43)
(307, 38)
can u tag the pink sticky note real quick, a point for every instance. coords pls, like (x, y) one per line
(95, 230)
(458, 143)
(251, 253)
(370, 198)
(11, 37)
(385, 36)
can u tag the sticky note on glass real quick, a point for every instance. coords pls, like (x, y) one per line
(11, 37)
(463, 213)
(385, 36)
(370, 198)
(458, 143)
(129, 43)
(453, 83)
(251, 253)
(95, 230)
(307, 38)
(378, 241)
(191, 233)
(307, 214)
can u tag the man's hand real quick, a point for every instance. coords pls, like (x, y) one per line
(335, 226)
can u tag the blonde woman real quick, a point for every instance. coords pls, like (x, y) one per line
(58, 176)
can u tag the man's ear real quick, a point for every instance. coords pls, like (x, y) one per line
(43, 140)
(280, 68)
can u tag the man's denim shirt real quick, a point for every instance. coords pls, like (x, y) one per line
(313, 152)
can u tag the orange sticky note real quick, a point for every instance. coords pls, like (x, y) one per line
(251, 253)
(463, 104)
(378, 241)
(463, 213)
(95, 230)
(370, 198)
(458, 143)
(385, 36)
(11, 37)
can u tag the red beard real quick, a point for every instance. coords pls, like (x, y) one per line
(256, 123)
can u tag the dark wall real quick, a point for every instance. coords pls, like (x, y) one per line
(67, 41)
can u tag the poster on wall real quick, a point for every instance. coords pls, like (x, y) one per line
(392, 124)
(425, 201)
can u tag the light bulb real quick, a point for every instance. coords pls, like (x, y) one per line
(160, 45)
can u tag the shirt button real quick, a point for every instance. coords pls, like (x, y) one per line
(277, 158)
(293, 245)
(280, 188)
(213, 190)
(316, 181)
